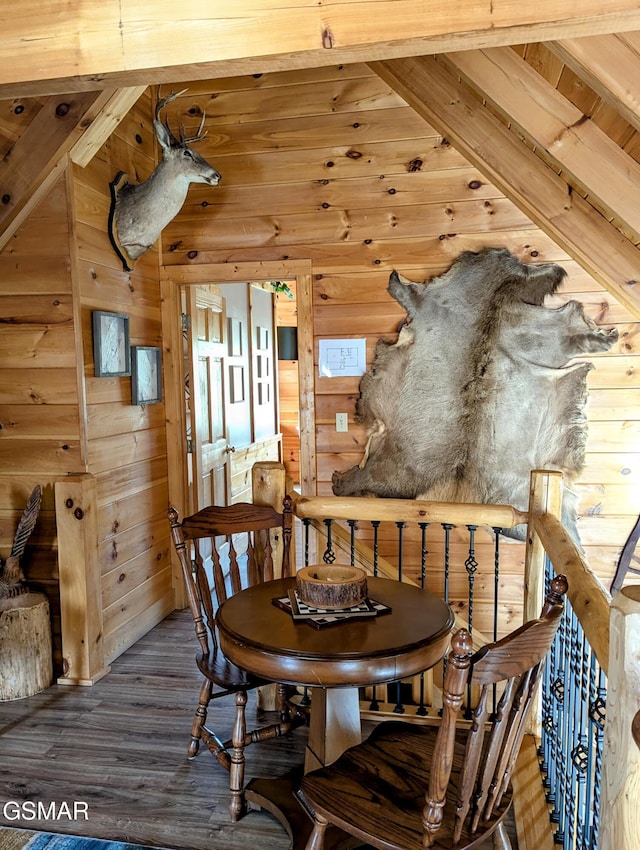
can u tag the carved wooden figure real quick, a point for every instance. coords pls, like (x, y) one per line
(140, 212)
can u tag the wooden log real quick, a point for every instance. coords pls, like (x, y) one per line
(268, 488)
(26, 666)
(589, 598)
(407, 510)
(619, 812)
(331, 586)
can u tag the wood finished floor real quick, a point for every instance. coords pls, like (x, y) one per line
(120, 747)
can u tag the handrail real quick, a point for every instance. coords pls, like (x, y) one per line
(409, 510)
(589, 598)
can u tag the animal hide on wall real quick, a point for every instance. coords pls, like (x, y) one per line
(478, 389)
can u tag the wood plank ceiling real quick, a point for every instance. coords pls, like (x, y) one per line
(554, 124)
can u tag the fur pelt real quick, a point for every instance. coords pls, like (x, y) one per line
(478, 389)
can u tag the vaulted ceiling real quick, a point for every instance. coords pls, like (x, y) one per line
(548, 108)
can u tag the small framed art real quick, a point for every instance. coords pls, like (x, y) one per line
(111, 352)
(146, 374)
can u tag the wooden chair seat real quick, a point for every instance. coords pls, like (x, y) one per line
(382, 787)
(225, 674)
(410, 787)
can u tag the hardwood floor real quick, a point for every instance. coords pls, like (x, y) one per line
(120, 747)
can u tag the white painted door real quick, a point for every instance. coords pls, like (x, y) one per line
(206, 347)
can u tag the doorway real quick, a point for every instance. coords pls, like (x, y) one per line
(175, 280)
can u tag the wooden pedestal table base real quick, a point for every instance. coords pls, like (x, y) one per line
(278, 796)
(337, 710)
(334, 725)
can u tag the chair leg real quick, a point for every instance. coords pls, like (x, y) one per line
(237, 805)
(501, 840)
(316, 839)
(199, 718)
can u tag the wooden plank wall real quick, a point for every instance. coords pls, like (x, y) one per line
(126, 443)
(56, 418)
(39, 409)
(329, 164)
(288, 391)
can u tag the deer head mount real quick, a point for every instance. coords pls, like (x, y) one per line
(139, 212)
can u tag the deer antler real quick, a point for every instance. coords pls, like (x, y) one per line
(184, 140)
(198, 136)
(162, 102)
(160, 105)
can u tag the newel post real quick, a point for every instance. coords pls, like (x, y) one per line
(545, 496)
(620, 809)
(81, 613)
(268, 483)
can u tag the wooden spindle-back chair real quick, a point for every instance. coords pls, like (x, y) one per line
(223, 550)
(629, 560)
(412, 786)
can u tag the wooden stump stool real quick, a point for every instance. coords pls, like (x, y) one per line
(26, 666)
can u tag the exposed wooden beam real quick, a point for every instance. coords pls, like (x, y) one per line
(437, 95)
(610, 65)
(53, 47)
(107, 118)
(65, 127)
(557, 129)
(30, 164)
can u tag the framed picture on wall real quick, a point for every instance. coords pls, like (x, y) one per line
(111, 352)
(146, 374)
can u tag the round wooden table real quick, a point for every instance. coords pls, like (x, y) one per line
(334, 661)
(267, 641)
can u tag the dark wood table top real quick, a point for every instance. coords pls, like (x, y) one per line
(267, 641)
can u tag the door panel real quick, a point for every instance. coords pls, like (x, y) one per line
(263, 363)
(206, 348)
(237, 372)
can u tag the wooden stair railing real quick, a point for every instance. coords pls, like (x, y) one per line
(364, 557)
(612, 629)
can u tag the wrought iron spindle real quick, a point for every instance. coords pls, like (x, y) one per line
(423, 553)
(401, 527)
(447, 564)
(572, 728)
(496, 594)
(399, 707)
(562, 745)
(306, 524)
(597, 713)
(375, 524)
(329, 556)
(471, 565)
(352, 529)
(581, 756)
(421, 710)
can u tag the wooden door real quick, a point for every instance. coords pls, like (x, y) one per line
(263, 365)
(237, 389)
(211, 480)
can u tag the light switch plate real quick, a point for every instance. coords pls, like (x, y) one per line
(342, 422)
